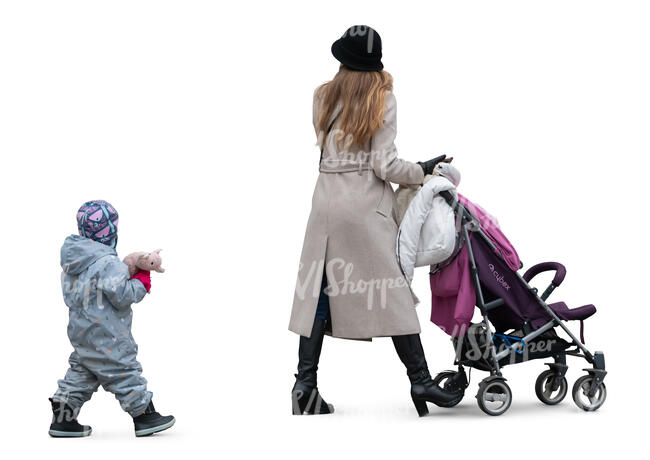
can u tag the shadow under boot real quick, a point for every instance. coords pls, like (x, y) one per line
(423, 389)
(305, 398)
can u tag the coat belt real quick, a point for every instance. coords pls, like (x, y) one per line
(328, 166)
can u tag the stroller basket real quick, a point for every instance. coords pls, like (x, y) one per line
(471, 349)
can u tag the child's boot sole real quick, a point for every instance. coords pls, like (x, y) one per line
(155, 429)
(69, 434)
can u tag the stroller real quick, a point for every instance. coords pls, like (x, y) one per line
(524, 325)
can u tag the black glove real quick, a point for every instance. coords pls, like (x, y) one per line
(428, 166)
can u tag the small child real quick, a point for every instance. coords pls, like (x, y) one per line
(99, 293)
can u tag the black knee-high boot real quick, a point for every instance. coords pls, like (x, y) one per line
(305, 398)
(423, 389)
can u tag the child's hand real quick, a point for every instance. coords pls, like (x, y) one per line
(144, 276)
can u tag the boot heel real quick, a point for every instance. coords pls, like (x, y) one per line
(296, 395)
(421, 407)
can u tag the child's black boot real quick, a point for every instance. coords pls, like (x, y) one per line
(64, 422)
(151, 422)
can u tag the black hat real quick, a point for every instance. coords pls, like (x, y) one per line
(359, 49)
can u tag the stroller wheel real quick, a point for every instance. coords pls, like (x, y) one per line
(452, 381)
(494, 396)
(581, 394)
(550, 388)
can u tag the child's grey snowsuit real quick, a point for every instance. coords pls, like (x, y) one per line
(97, 289)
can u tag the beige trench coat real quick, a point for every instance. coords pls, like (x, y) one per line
(351, 234)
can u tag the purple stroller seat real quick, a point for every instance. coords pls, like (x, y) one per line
(571, 314)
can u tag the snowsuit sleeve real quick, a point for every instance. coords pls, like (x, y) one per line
(383, 153)
(409, 231)
(118, 288)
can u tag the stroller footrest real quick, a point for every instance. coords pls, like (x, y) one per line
(572, 314)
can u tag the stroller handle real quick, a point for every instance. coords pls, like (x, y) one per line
(560, 272)
(455, 205)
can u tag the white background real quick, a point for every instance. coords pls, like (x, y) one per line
(194, 120)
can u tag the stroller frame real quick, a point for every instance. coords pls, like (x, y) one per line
(590, 385)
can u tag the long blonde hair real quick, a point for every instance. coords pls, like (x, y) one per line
(362, 96)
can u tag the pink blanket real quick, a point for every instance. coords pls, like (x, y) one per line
(453, 295)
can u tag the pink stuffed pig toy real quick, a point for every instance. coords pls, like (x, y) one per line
(144, 261)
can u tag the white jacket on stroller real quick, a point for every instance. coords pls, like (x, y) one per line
(427, 233)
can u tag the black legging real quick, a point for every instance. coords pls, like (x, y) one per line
(323, 308)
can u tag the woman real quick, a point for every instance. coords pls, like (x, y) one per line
(349, 282)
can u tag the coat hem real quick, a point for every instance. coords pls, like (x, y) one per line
(364, 337)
